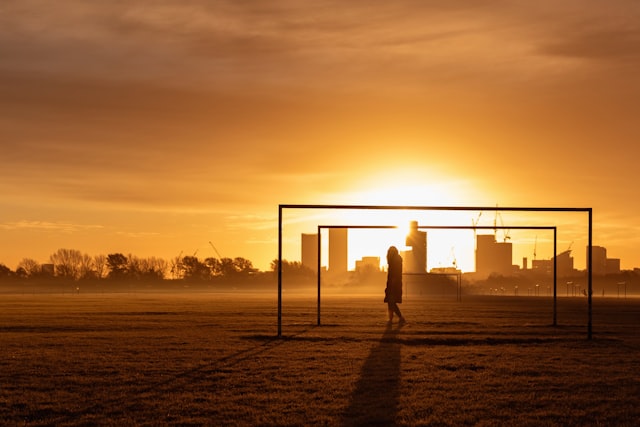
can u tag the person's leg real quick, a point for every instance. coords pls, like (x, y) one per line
(392, 308)
(396, 310)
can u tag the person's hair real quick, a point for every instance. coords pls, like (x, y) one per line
(392, 252)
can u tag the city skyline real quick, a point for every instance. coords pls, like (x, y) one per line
(343, 253)
(490, 256)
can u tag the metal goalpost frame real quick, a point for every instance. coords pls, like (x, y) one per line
(589, 211)
(445, 227)
(319, 264)
(519, 227)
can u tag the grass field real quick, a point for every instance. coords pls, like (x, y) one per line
(215, 359)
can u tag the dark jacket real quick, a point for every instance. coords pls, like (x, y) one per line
(393, 292)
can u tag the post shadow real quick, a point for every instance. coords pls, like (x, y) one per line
(376, 396)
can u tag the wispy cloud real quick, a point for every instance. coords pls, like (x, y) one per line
(137, 235)
(609, 45)
(292, 43)
(47, 226)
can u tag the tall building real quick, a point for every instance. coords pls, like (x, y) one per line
(598, 260)
(613, 265)
(542, 266)
(368, 263)
(338, 250)
(309, 251)
(564, 264)
(416, 260)
(601, 264)
(493, 257)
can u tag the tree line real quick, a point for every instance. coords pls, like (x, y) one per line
(72, 264)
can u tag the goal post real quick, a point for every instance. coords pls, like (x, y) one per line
(440, 227)
(589, 211)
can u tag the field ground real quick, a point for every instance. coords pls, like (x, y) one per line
(215, 359)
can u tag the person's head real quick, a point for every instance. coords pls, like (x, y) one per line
(391, 253)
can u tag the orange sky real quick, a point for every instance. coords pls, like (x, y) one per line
(154, 130)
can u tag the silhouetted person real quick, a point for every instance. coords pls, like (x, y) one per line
(393, 292)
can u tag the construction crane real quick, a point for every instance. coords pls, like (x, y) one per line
(475, 232)
(505, 232)
(535, 245)
(214, 248)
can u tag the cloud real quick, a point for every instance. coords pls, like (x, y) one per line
(619, 46)
(251, 222)
(137, 235)
(47, 226)
(286, 44)
(192, 104)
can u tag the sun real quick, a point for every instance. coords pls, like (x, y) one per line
(408, 188)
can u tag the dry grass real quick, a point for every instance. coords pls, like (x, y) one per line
(214, 359)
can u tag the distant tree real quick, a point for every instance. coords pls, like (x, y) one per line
(87, 267)
(21, 273)
(154, 268)
(294, 270)
(117, 264)
(68, 263)
(100, 265)
(162, 265)
(290, 267)
(243, 266)
(5, 272)
(176, 267)
(226, 267)
(194, 269)
(214, 265)
(134, 268)
(145, 268)
(286, 265)
(31, 268)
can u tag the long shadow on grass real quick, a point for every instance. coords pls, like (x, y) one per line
(375, 399)
(154, 388)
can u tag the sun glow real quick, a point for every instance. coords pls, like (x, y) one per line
(445, 248)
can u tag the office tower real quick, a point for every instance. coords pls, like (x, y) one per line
(338, 250)
(598, 260)
(416, 259)
(492, 256)
(309, 255)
